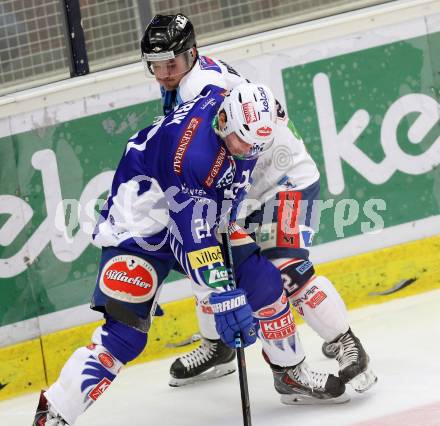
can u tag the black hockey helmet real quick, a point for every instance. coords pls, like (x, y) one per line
(169, 40)
(168, 33)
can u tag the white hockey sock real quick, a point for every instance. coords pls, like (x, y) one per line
(322, 308)
(205, 314)
(85, 376)
(278, 333)
(285, 352)
(206, 321)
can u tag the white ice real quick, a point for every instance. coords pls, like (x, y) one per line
(401, 336)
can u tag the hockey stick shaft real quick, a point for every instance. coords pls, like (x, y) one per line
(242, 372)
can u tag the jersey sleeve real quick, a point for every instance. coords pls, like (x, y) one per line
(126, 209)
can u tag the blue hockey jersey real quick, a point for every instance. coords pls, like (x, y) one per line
(172, 186)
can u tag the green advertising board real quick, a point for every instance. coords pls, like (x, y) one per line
(370, 119)
(46, 268)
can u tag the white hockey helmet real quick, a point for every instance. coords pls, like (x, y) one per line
(250, 112)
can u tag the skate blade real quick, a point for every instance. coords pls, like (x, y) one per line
(364, 381)
(297, 399)
(212, 373)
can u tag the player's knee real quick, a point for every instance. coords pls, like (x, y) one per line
(121, 340)
(261, 280)
(295, 274)
(272, 309)
(102, 355)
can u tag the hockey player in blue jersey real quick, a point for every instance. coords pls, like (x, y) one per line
(175, 183)
(169, 52)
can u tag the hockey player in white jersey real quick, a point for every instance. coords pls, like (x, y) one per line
(285, 180)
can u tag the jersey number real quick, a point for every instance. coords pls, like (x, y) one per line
(202, 228)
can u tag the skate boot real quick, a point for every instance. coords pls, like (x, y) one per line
(45, 415)
(330, 350)
(210, 360)
(353, 362)
(299, 385)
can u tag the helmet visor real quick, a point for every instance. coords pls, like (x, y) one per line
(167, 65)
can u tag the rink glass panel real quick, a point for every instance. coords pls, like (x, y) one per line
(33, 40)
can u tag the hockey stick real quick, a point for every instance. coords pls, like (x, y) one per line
(242, 373)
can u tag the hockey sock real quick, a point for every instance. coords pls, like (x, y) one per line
(278, 334)
(90, 370)
(322, 308)
(206, 319)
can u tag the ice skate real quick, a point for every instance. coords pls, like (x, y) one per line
(330, 350)
(45, 415)
(210, 360)
(353, 363)
(299, 385)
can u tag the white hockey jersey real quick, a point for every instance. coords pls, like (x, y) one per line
(286, 165)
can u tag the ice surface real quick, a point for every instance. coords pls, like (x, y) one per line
(401, 336)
